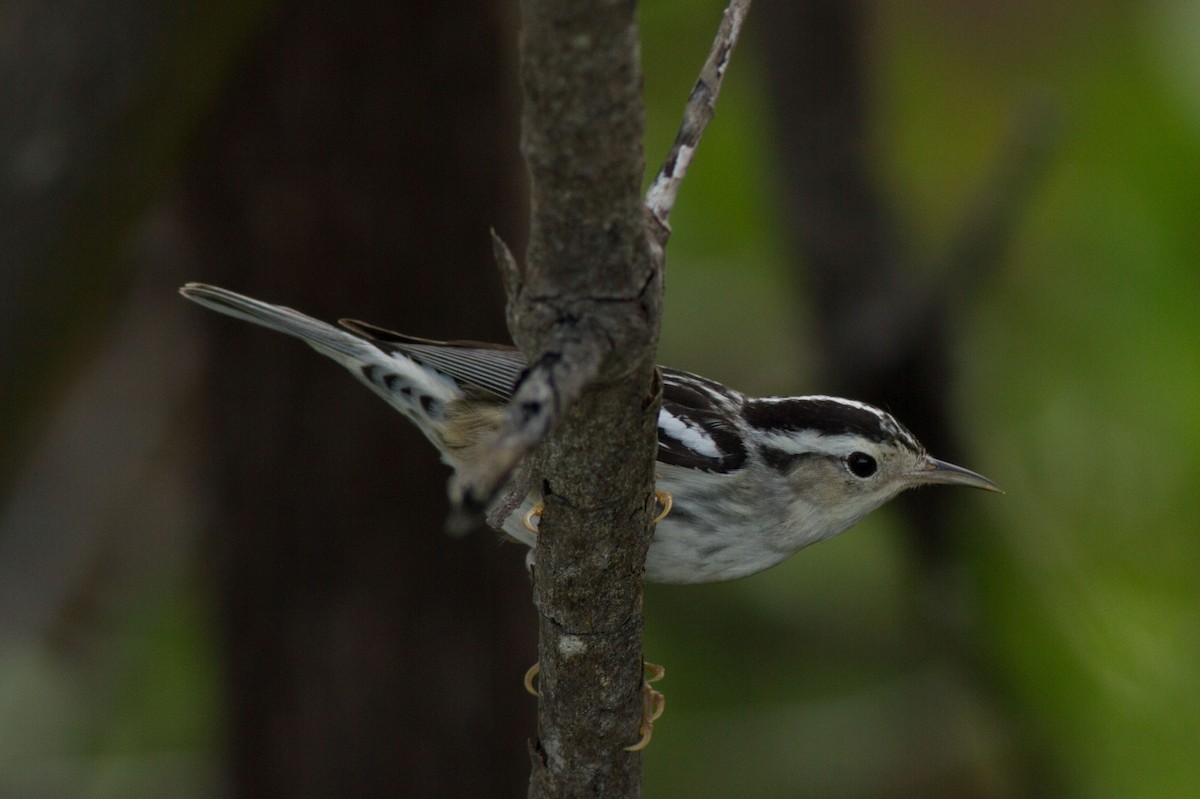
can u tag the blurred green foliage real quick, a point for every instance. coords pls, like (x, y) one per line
(1077, 384)
(1076, 389)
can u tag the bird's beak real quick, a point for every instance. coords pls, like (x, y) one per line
(935, 471)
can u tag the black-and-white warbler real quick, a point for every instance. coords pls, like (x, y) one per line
(754, 480)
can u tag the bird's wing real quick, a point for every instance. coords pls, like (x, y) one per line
(493, 368)
(698, 424)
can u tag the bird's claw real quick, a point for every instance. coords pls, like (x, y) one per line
(667, 501)
(663, 498)
(653, 701)
(530, 675)
(533, 513)
(653, 705)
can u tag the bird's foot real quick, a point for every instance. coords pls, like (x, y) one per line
(653, 701)
(653, 704)
(530, 676)
(667, 501)
(533, 513)
(664, 499)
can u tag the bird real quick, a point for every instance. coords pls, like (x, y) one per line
(751, 480)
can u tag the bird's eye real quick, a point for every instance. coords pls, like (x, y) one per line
(861, 464)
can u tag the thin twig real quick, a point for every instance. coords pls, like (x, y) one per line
(547, 389)
(699, 111)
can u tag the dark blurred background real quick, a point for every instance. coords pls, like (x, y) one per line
(222, 570)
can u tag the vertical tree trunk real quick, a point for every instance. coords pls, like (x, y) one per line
(354, 169)
(586, 311)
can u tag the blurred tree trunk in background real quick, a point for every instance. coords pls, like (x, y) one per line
(855, 272)
(353, 169)
(882, 325)
(95, 100)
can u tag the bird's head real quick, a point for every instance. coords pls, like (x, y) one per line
(843, 459)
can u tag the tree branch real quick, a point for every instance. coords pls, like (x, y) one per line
(586, 312)
(586, 308)
(582, 423)
(542, 397)
(699, 111)
(549, 387)
(540, 400)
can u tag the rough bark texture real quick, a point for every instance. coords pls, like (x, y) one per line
(354, 168)
(587, 306)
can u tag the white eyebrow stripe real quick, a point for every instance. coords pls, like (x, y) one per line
(862, 406)
(801, 443)
(692, 437)
(886, 420)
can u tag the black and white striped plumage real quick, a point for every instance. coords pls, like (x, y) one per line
(753, 479)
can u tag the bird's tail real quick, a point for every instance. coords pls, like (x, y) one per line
(419, 392)
(325, 338)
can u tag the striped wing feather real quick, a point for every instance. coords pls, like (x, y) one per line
(696, 430)
(492, 368)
